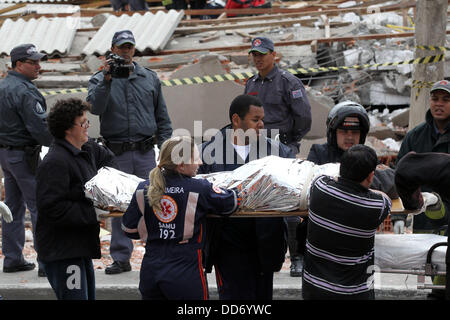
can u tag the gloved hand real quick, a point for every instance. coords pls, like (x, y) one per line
(430, 198)
(434, 207)
(98, 212)
(5, 212)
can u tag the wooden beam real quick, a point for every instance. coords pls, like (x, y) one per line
(13, 7)
(309, 12)
(252, 11)
(211, 37)
(95, 4)
(298, 42)
(191, 30)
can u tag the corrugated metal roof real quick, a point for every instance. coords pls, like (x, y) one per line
(151, 31)
(53, 36)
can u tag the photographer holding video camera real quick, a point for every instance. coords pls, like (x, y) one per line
(133, 118)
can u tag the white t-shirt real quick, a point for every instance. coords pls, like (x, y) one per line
(242, 151)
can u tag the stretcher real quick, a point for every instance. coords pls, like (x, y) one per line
(416, 254)
(397, 208)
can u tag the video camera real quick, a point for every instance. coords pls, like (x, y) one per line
(118, 67)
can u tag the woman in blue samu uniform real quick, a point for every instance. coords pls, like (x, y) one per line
(169, 211)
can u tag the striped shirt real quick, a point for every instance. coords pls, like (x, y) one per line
(343, 219)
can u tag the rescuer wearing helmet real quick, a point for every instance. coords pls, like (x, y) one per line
(347, 125)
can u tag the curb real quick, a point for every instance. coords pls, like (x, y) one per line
(27, 286)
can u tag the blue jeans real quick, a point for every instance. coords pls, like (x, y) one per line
(71, 279)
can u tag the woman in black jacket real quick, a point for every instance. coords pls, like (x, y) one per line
(67, 230)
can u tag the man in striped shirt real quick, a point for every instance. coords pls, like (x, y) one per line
(343, 219)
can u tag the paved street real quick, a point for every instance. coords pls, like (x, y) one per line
(28, 286)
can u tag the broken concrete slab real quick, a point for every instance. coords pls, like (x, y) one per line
(320, 107)
(298, 56)
(357, 56)
(195, 109)
(169, 61)
(207, 65)
(380, 95)
(80, 40)
(391, 55)
(98, 20)
(380, 147)
(56, 81)
(401, 118)
(382, 132)
(61, 67)
(395, 81)
(240, 58)
(92, 63)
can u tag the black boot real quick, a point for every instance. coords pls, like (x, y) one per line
(296, 266)
(296, 257)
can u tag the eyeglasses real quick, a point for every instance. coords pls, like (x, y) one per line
(84, 125)
(34, 63)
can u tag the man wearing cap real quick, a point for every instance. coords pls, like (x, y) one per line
(433, 135)
(286, 109)
(23, 130)
(286, 106)
(133, 118)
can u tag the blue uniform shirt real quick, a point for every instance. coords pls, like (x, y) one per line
(130, 109)
(23, 119)
(184, 207)
(286, 106)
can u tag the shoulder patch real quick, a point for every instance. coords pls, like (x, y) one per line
(38, 108)
(217, 190)
(297, 94)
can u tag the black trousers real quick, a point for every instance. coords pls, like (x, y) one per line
(238, 276)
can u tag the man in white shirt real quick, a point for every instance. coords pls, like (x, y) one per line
(246, 251)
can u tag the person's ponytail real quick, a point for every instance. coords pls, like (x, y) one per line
(173, 152)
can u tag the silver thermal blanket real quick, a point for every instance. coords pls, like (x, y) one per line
(111, 189)
(273, 183)
(268, 184)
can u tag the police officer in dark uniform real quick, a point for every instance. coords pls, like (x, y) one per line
(133, 118)
(23, 130)
(286, 108)
(169, 210)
